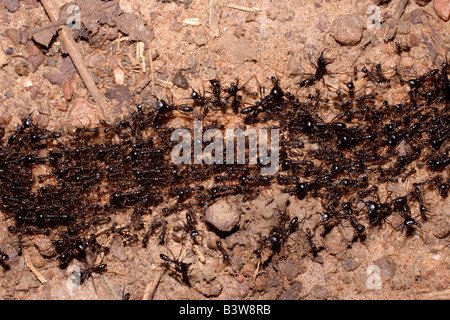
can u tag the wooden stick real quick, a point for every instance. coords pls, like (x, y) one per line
(77, 59)
(151, 287)
(30, 265)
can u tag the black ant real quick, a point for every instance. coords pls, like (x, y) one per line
(399, 48)
(280, 234)
(376, 75)
(321, 71)
(401, 205)
(188, 227)
(423, 210)
(150, 230)
(225, 256)
(312, 245)
(164, 111)
(180, 267)
(86, 273)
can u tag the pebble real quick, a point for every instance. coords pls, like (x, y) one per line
(293, 292)
(22, 70)
(290, 269)
(407, 62)
(44, 245)
(261, 283)
(319, 292)
(442, 8)
(350, 264)
(27, 281)
(180, 81)
(442, 230)
(86, 115)
(11, 5)
(416, 16)
(248, 269)
(119, 76)
(13, 35)
(347, 29)
(387, 266)
(222, 215)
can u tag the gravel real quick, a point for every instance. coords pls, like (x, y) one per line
(347, 29)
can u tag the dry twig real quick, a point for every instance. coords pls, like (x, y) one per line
(30, 265)
(77, 59)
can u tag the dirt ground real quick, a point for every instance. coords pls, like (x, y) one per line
(186, 43)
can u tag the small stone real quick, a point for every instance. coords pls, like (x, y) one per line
(403, 27)
(68, 90)
(13, 35)
(180, 81)
(387, 266)
(44, 37)
(422, 2)
(27, 281)
(261, 283)
(210, 290)
(407, 62)
(209, 274)
(319, 292)
(293, 65)
(248, 269)
(45, 109)
(22, 70)
(44, 245)
(119, 76)
(347, 30)
(293, 292)
(222, 215)
(86, 115)
(416, 16)
(442, 230)
(11, 5)
(290, 269)
(200, 38)
(350, 264)
(442, 8)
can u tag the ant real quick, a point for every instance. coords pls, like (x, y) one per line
(359, 228)
(376, 75)
(188, 227)
(280, 234)
(399, 48)
(423, 210)
(180, 266)
(154, 225)
(312, 245)
(402, 207)
(321, 71)
(164, 110)
(86, 273)
(226, 257)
